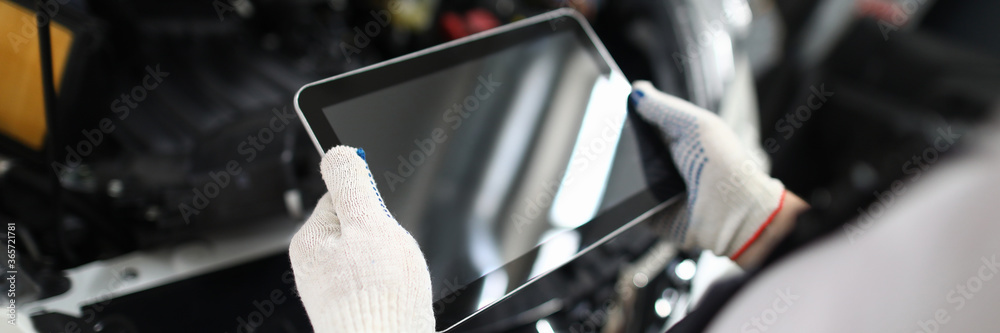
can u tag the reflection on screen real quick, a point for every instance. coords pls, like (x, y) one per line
(485, 160)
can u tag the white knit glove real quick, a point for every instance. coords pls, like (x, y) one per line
(356, 268)
(730, 199)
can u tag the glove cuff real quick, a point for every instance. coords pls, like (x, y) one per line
(731, 218)
(752, 208)
(743, 240)
(375, 311)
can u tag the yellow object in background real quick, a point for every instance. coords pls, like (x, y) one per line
(22, 106)
(413, 15)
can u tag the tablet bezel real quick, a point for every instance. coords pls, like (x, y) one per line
(312, 98)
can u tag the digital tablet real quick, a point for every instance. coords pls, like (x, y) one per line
(505, 154)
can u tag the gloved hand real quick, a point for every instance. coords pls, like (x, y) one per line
(730, 199)
(356, 268)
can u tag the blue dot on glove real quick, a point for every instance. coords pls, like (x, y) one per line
(635, 96)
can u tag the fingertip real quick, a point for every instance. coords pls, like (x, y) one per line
(350, 183)
(635, 97)
(641, 90)
(344, 154)
(342, 162)
(642, 87)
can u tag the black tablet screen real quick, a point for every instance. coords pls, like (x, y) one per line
(485, 159)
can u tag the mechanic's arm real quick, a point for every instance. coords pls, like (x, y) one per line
(733, 207)
(356, 268)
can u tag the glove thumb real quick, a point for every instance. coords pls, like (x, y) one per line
(356, 200)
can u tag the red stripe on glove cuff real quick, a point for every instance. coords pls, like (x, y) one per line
(781, 203)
